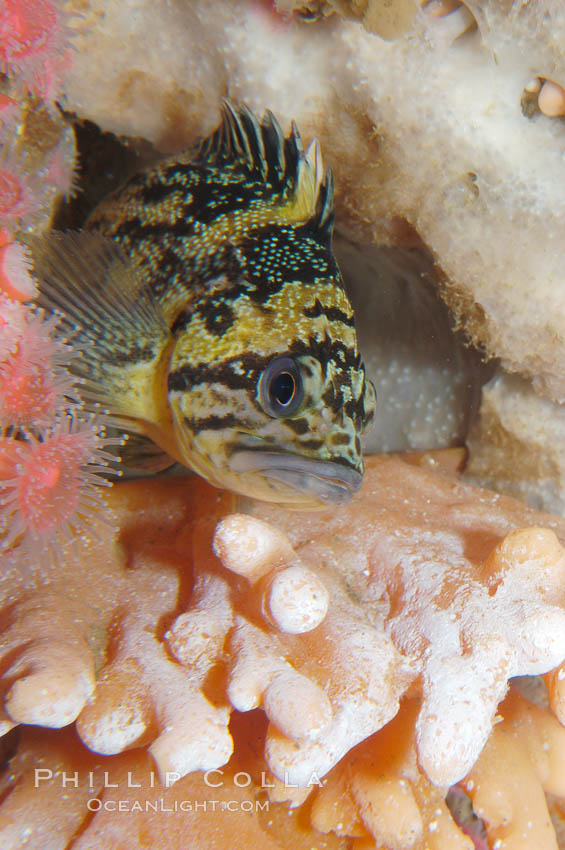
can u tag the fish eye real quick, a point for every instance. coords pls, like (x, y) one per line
(280, 388)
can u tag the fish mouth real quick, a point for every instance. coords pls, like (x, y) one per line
(327, 481)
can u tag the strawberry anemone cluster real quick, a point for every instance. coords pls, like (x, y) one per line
(34, 44)
(51, 451)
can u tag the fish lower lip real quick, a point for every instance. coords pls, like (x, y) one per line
(328, 481)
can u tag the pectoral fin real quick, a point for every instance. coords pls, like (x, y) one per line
(117, 331)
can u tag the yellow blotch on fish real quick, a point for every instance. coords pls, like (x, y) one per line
(212, 318)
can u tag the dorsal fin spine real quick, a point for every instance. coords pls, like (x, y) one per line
(273, 142)
(255, 140)
(237, 134)
(264, 152)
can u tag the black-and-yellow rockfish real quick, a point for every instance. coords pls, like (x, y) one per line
(212, 315)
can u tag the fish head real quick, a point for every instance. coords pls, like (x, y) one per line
(266, 387)
(274, 406)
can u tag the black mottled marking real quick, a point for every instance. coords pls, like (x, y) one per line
(220, 317)
(274, 256)
(299, 426)
(326, 350)
(339, 439)
(170, 262)
(358, 445)
(311, 444)
(190, 375)
(178, 170)
(217, 198)
(215, 276)
(136, 229)
(211, 423)
(156, 193)
(334, 314)
(181, 321)
(331, 399)
(355, 410)
(343, 461)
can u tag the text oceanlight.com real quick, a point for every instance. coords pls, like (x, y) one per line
(161, 805)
